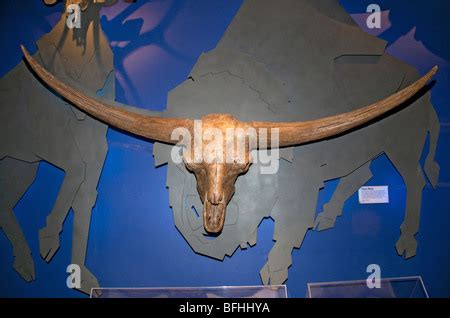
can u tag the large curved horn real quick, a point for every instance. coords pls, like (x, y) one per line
(295, 133)
(155, 128)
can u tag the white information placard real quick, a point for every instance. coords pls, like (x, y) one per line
(373, 195)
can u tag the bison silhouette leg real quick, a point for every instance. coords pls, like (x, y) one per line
(291, 226)
(15, 178)
(413, 177)
(347, 186)
(275, 271)
(407, 244)
(82, 217)
(49, 235)
(82, 207)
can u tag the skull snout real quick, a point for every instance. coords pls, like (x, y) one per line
(213, 217)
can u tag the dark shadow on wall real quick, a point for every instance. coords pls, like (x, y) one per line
(120, 28)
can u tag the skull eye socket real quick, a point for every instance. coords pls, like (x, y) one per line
(241, 167)
(247, 166)
(194, 167)
(190, 165)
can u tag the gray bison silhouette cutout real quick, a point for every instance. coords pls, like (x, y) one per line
(42, 126)
(284, 61)
(300, 60)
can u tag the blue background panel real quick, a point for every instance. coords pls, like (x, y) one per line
(133, 241)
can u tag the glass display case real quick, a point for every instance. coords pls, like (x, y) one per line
(400, 287)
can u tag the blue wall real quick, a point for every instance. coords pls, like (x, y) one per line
(133, 241)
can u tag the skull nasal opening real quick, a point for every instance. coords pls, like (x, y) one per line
(213, 217)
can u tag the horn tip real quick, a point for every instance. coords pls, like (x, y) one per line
(24, 50)
(434, 70)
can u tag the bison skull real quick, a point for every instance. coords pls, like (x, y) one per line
(215, 178)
